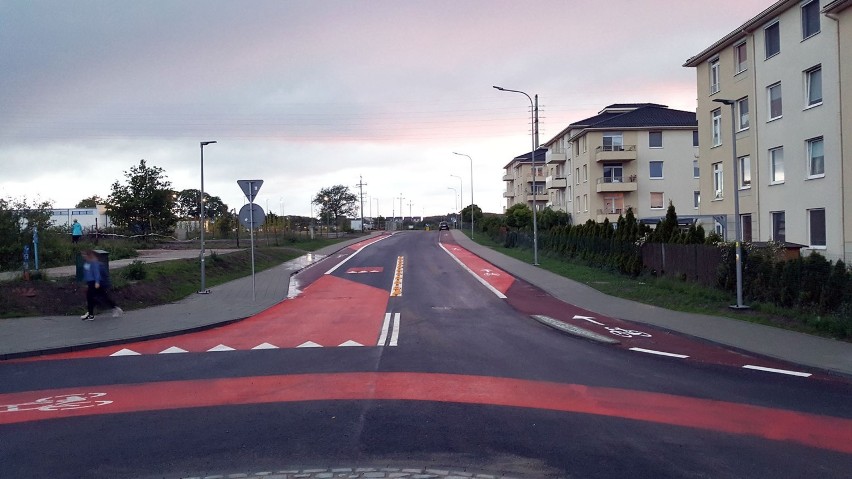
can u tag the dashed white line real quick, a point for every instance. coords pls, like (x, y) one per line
(779, 371)
(385, 327)
(659, 353)
(395, 335)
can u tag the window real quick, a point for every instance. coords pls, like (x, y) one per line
(714, 76)
(740, 58)
(613, 173)
(816, 160)
(717, 126)
(745, 226)
(744, 164)
(742, 113)
(696, 199)
(585, 202)
(577, 175)
(776, 165)
(779, 228)
(613, 142)
(772, 39)
(694, 137)
(810, 19)
(816, 225)
(656, 200)
(696, 170)
(774, 96)
(813, 84)
(578, 204)
(585, 173)
(718, 181)
(655, 139)
(613, 205)
(656, 170)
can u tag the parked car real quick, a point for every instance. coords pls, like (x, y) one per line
(443, 225)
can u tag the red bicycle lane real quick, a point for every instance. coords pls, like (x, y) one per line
(637, 337)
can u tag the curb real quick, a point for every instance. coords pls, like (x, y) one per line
(573, 330)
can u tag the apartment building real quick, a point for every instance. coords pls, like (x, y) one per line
(639, 155)
(773, 84)
(525, 182)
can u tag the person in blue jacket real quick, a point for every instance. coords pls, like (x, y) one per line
(76, 231)
(97, 281)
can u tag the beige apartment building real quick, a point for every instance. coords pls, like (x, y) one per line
(639, 155)
(776, 80)
(525, 183)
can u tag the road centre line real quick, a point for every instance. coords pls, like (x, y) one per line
(659, 353)
(779, 371)
(386, 328)
(332, 270)
(478, 278)
(395, 335)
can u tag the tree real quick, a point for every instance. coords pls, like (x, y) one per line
(188, 206)
(145, 203)
(18, 219)
(519, 216)
(335, 202)
(477, 213)
(90, 202)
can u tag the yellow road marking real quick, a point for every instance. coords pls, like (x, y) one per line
(396, 290)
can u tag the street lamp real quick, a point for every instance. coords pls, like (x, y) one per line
(738, 232)
(461, 196)
(471, 192)
(532, 158)
(327, 220)
(203, 289)
(455, 197)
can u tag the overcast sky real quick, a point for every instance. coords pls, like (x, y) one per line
(314, 93)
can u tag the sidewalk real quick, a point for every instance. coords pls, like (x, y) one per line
(773, 342)
(229, 302)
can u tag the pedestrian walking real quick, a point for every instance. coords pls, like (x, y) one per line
(76, 231)
(98, 284)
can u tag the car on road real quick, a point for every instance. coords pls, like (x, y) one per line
(443, 225)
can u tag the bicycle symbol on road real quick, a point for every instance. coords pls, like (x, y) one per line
(488, 272)
(63, 402)
(627, 333)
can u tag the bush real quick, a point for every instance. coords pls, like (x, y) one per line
(136, 271)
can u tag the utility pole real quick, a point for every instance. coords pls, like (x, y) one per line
(361, 186)
(410, 203)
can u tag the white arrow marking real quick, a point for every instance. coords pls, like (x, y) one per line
(265, 346)
(220, 347)
(309, 344)
(125, 352)
(350, 343)
(591, 320)
(173, 349)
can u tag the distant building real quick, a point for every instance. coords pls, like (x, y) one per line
(89, 218)
(522, 182)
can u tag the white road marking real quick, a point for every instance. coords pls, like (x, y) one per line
(220, 347)
(659, 353)
(586, 318)
(332, 270)
(395, 336)
(265, 346)
(172, 350)
(779, 371)
(125, 352)
(478, 278)
(385, 327)
(350, 343)
(309, 344)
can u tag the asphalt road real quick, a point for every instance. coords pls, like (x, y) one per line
(394, 356)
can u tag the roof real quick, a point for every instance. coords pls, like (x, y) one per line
(525, 158)
(837, 6)
(634, 115)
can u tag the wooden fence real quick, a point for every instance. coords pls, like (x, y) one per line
(695, 262)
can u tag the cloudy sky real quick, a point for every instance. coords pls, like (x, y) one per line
(306, 94)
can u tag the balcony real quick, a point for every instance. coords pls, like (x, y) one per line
(541, 196)
(508, 177)
(553, 157)
(611, 215)
(615, 153)
(617, 184)
(508, 194)
(555, 182)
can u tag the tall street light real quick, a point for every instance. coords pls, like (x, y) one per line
(532, 158)
(738, 232)
(471, 192)
(455, 197)
(461, 189)
(203, 289)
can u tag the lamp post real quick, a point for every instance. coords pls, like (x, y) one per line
(461, 195)
(401, 214)
(533, 126)
(455, 197)
(327, 220)
(738, 232)
(471, 192)
(203, 289)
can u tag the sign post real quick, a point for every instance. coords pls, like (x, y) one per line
(252, 216)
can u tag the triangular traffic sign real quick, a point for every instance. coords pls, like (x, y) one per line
(250, 188)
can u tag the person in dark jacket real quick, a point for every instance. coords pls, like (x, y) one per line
(97, 281)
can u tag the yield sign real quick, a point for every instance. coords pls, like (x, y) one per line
(250, 188)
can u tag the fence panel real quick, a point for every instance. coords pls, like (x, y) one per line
(697, 263)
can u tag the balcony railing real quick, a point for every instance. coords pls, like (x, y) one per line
(556, 182)
(615, 152)
(617, 183)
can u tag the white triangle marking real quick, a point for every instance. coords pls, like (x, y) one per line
(350, 343)
(173, 349)
(221, 347)
(265, 346)
(309, 344)
(125, 352)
